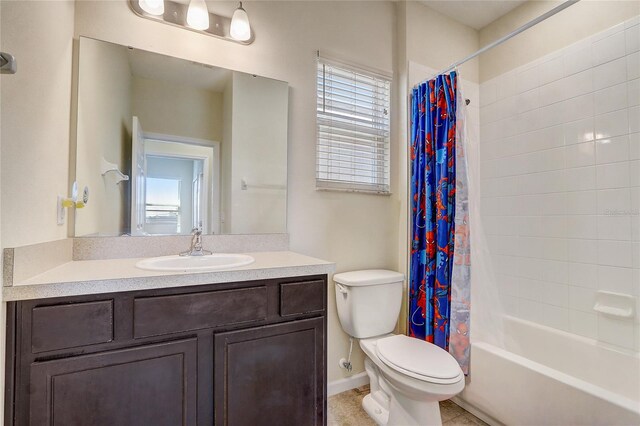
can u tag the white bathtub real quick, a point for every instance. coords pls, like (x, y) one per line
(550, 377)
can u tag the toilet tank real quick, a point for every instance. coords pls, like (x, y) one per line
(369, 301)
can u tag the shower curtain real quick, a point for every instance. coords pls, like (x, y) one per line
(440, 267)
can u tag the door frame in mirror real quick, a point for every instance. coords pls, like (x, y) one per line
(213, 193)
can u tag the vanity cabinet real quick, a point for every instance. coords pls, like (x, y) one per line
(282, 386)
(145, 385)
(246, 353)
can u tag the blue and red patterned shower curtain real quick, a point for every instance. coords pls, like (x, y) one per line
(434, 158)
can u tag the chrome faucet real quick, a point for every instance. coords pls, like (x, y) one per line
(196, 244)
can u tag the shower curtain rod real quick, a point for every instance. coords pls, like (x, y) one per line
(501, 40)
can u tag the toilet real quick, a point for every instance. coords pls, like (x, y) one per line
(407, 376)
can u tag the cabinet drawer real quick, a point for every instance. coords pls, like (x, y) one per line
(302, 297)
(71, 325)
(158, 315)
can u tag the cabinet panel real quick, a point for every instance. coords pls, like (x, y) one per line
(159, 315)
(271, 375)
(71, 325)
(302, 297)
(147, 385)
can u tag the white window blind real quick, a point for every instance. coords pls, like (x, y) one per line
(353, 123)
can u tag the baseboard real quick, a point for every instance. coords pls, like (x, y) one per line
(476, 412)
(348, 383)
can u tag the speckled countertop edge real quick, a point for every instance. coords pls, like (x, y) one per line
(65, 282)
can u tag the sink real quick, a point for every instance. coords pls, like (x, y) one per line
(210, 262)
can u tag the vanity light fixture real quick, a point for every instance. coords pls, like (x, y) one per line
(152, 7)
(198, 15)
(240, 27)
(193, 15)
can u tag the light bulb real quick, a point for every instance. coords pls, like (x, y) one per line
(198, 15)
(240, 28)
(152, 7)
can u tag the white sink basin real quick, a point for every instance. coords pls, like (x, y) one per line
(210, 262)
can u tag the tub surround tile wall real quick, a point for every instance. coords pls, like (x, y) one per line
(560, 171)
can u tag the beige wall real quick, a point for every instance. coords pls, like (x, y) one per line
(103, 134)
(35, 105)
(355, 230)
(417, 59)
(34, 110)
(178, 110)
(226, 220)
(3, 306)
(437, 41)
(259, 154)
(569, 26)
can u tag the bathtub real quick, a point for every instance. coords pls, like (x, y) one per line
(546, 376)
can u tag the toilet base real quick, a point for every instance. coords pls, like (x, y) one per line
(389, 407)
(428, 413)
(377, 412)
(409, 412)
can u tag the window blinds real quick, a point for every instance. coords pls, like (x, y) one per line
(353, 125)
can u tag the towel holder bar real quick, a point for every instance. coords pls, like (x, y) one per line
(111, 167)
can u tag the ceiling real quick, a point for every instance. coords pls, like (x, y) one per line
(474, 13)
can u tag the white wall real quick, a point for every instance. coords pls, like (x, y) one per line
(560, 172)
(103, 132)
(259, 155)
(35, 106)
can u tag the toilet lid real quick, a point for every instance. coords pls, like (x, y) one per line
(417, 358)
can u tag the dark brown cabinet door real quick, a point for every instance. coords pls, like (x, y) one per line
(271, 375)
(147, 385)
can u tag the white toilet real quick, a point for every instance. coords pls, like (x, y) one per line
(407, 376)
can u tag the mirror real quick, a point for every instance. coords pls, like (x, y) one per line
(166, 145)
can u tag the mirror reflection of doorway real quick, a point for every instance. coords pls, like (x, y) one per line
(177, 184)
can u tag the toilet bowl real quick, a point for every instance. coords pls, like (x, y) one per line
(408, 377)
(401, 396)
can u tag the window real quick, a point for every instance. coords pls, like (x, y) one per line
(162, 209)
(353, 124)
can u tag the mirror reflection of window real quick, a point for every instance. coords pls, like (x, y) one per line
(174, 194)
(162, 207)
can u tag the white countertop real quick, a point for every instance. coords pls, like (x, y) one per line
(115, 275)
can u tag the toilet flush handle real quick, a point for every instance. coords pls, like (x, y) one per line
(342, 289)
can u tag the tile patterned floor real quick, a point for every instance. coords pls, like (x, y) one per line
(345, 409)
